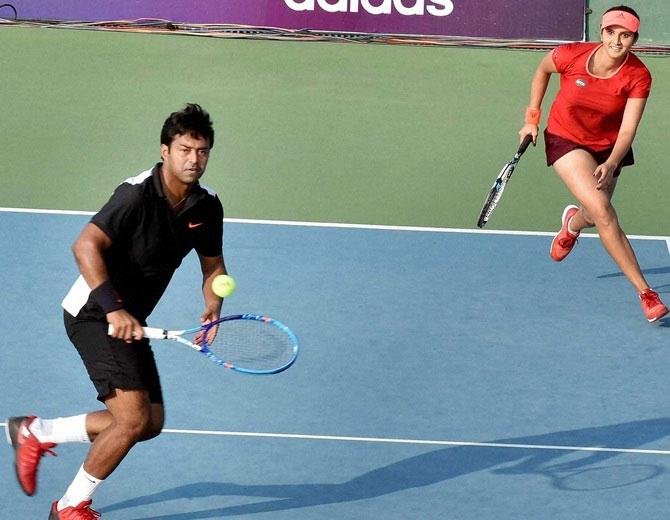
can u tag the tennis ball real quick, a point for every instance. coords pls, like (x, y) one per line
(223, 285)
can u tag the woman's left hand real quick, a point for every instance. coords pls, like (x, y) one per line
(604, 174)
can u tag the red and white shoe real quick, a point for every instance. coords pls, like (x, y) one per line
(28, 452)
(564, 241)
(652, 306)
(82, 511)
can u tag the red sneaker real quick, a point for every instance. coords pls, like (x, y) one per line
(82, 512)
(652, 306)
(27, 452)
(564, 241)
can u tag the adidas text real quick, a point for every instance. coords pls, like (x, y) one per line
(418, 7)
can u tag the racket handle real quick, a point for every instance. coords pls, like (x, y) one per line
(149, 332)
(524, 144)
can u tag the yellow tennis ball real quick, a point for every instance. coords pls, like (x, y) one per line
(223, 285)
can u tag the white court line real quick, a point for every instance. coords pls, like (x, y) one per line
(424, 442)
(47, 211)
(355, 226)
(416, 442)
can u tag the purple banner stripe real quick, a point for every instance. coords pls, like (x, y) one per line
(505, 19)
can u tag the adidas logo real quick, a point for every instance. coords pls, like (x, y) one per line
(403, 7)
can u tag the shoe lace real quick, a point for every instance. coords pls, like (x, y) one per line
(567, 241)
(85, 512)
(34, 450)
(650, 298)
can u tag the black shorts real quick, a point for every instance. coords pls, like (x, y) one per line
(556, 147)
(113, 363)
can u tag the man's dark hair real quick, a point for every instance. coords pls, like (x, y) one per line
(191, 120)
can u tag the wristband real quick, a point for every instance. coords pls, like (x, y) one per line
(107, 297)
(533, 116)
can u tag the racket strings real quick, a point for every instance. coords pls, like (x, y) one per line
(252, 344)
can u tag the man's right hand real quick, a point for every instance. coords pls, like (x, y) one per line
(125, 326)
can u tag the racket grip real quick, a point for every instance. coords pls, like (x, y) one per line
(110, 329)
(524, 144)
(149, 332)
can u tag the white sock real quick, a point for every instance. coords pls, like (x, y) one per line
(82, 488)
(62, 429)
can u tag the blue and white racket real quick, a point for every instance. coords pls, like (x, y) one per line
(496, 191)
(245, 343)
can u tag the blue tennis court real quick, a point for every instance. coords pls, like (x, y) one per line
(443, 373)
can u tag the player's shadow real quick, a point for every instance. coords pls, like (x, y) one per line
(646, 272)
(664, 322)
(426, 469)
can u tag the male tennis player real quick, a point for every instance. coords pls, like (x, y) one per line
(126, 255)
(591, 126)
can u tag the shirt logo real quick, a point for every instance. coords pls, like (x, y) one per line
(580, 83)
(191, 225)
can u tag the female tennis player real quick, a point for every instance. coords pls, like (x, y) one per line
(591, 126)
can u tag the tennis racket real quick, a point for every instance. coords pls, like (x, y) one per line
(498, 187)
(245, 343)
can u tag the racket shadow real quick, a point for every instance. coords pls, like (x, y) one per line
(599, 478)
(426, 469)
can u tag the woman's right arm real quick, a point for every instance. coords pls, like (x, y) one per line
(538, 88)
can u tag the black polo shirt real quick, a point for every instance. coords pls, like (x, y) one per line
(149, 241)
